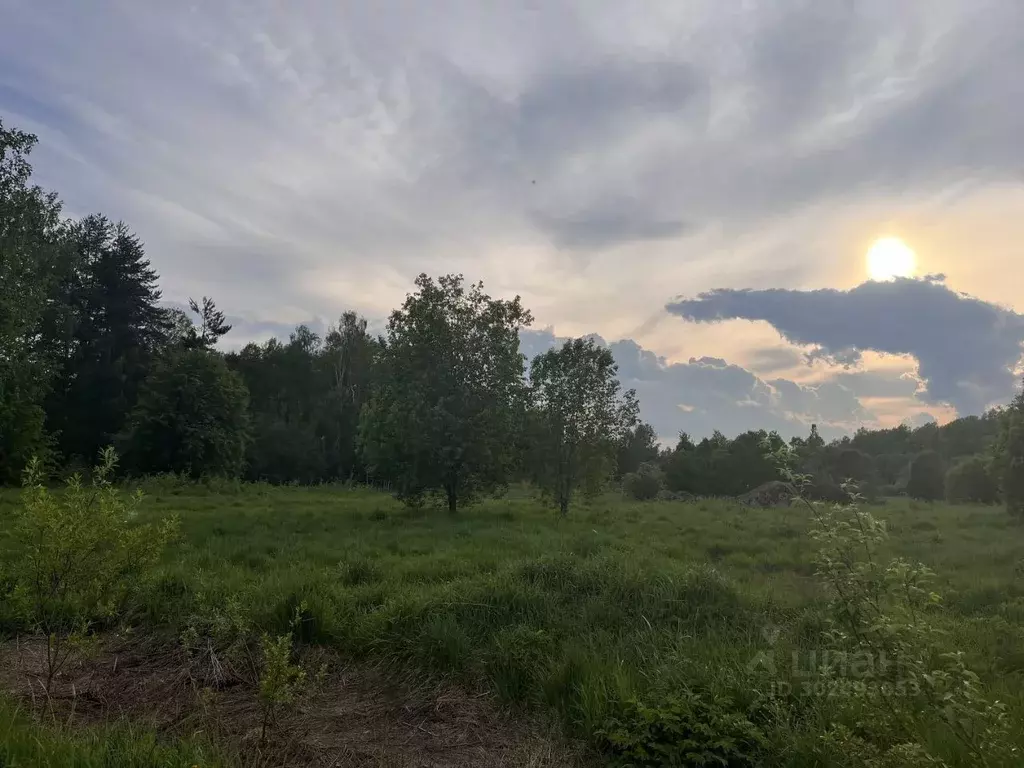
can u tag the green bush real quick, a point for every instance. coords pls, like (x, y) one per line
(971, 480)
(927, 477)
(682, 730)
(644, 484)
(79, 558)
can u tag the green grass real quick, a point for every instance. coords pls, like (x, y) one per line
(25, 743)
(571, 615)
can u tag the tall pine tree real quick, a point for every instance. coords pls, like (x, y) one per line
(112, 332)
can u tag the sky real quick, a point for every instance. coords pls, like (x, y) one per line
(695, 184)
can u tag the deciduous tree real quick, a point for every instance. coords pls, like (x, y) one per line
(578, 419)
(192, 418)
(450, 395)
(927, 477)
(639, 446)
(31, 238)
(972, 480)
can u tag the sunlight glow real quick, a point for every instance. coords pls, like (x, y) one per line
(889, 258)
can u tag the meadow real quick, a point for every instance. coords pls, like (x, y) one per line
(568, 618)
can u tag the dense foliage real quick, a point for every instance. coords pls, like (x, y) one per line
(927, 476)
(449, 398)
(578, 419)
(191, 417)
(972, 480)
(31, 242)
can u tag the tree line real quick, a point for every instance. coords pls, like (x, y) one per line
(441, 404)
(967, 460)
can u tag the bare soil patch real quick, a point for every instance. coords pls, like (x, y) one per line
(360, 716)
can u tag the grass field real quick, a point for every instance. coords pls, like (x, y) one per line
(574, 616)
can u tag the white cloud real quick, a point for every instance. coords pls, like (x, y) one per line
(298, 160)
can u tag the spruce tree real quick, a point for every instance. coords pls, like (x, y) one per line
(113, 331)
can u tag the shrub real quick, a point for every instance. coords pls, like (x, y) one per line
(682, 729)
(280, 679)
(79, 557)
(644, 484)
(971, 480)
(927, 477)
(885, 611)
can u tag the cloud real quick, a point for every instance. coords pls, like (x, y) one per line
(294, 165)
(708, 393)
(919, 420)
(354, 132)
(773, 359)
(967, 349)
(868, 384)
(612, 222)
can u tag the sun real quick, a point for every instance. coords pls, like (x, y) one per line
(889, 258)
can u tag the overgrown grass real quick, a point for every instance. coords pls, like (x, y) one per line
(576, 615)
(25, 742)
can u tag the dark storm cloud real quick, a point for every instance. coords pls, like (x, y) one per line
(966, 348)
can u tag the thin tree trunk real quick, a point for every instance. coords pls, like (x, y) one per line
(453, 500)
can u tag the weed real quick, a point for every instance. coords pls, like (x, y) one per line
(682, 729)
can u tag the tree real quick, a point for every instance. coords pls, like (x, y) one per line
(1011, 462)
(578, 419)
(179, 328)
(305, 399)
(814, 441)
(645, 483)
(349, 359)
(113, 332)
(744, 464)
(639, 446)
(212, 325)
(927, 477)
(192, 418)
(450, 396)
(971, 480)
(31, 249)
(681, 472)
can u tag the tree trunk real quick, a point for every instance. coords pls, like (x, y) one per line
(452, 500)
(563, 505)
